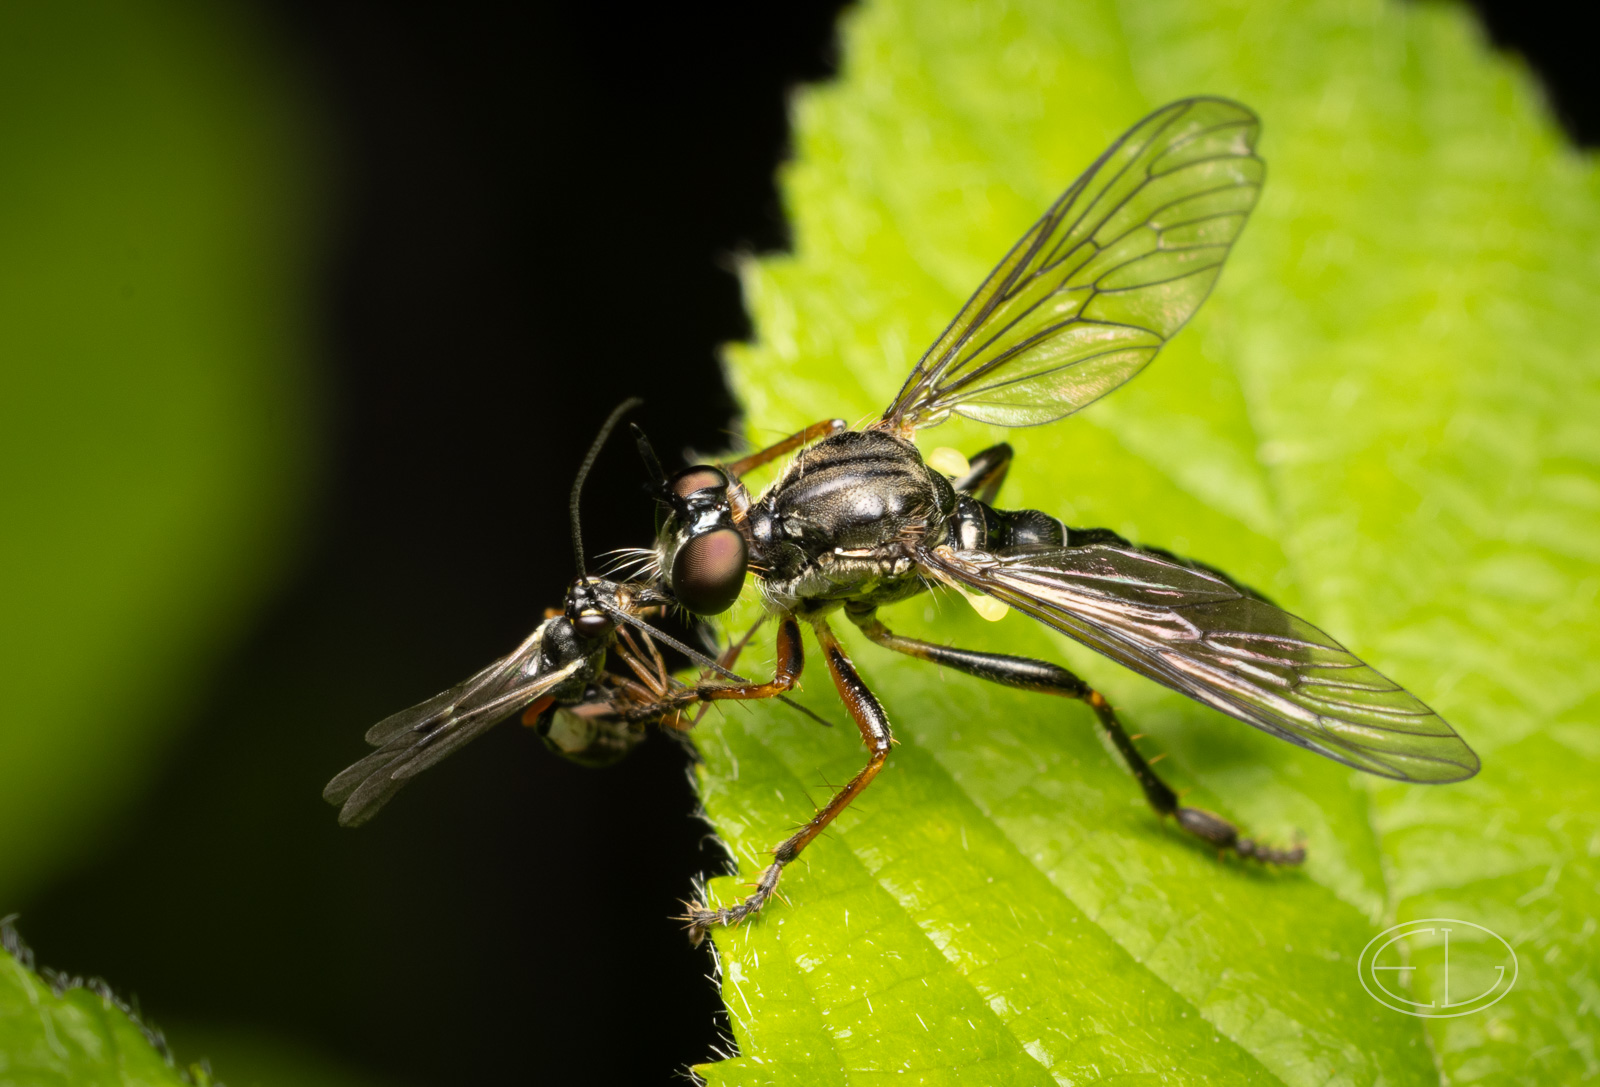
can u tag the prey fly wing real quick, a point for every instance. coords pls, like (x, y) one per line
(414, 739)
(1112, 271)
(1200, 634)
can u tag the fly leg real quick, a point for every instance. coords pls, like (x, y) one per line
(668, 707)
(727, 659)
(874, 725)
(1027, 674)
(791, 659)
(750, 462)
(785, 673)
(986, 471)
(671, 707)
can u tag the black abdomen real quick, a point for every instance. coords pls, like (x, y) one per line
(978, 526)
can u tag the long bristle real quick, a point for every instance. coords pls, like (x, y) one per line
(634, 561)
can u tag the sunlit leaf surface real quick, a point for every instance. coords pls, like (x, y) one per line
(1384, 417)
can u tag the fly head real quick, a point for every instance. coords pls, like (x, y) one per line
(703, 554)
(584, 609)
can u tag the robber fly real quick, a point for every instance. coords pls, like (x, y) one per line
(556, 679)
(858, 519)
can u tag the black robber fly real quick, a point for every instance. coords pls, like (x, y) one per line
(858, 519)
(556, 679)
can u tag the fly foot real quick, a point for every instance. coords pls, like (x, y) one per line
(1213, 828)
(699, 918)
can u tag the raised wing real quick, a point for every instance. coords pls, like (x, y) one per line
(1199, 634)
(1116, 266)
(414, 739)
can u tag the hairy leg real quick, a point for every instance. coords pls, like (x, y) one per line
(987, 471)
(750, 462)
(1027, 674)
(791, 660)
(874, 725)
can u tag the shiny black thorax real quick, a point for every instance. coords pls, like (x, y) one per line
(844, 522)
(563, 643)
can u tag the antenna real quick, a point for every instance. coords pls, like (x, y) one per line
(583, 472)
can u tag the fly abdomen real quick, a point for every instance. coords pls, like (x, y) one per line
(1030, 528)
(978, 526)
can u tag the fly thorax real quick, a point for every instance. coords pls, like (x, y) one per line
(563, 644)
(772, 549)
(856, 490)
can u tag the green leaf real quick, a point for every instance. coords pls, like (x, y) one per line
(75, 1032)
(1383, 417)
(56, 1030)
(154, 278)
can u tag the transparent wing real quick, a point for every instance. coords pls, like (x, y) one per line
(1116, 266)
(1198, 633)
(414, 739)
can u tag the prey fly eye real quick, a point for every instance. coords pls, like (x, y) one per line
(702, 477)
(593, 624)
(708, 571)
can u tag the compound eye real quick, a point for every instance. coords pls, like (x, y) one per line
(708, 571)
(702, 477)
(592, 624)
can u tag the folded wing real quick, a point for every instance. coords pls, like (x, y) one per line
(414, 739)
(1200, 634)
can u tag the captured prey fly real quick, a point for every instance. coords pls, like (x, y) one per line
(858, 519)
(556, 679)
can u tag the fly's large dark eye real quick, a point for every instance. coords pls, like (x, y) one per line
(593, 624)
(708, 571)
(702, 477)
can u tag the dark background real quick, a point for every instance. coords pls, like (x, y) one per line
(498, 165)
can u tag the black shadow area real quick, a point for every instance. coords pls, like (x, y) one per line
(535, 206)
(1557, 39)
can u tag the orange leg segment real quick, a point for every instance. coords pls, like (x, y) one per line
(794, 441)
(874, 725)
(791, 659)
